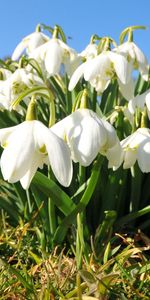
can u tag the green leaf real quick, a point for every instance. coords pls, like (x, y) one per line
(51, 189)
(62, 229)
(132, 216)
(87, 276)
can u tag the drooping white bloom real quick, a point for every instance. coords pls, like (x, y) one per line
(140, 101)
(100, 70)
(4, 74)
(27, 147)
(127, 90)
(29, 43)
(15, 84)
(135, 56)
(53, 54)
(90, 51)
(87, 135)
(136, 147)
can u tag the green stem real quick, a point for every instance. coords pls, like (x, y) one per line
(31, 111)
(68, 96)
(94, 99)
(52, 113)
(82, 174)
(79, 290)
(29, 201)
(51, 211)
(135, 189)
(62, 229)
(55, 32)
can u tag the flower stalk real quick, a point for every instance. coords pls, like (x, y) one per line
(31, 111)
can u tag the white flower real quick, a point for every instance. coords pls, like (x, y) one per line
(127, 90)
(29, 43)
(86, 135)
(136, 147)
(4, 74)
(129, 114)
(28, 146)
(140, 101)
(53, 54)
(135, 56)
(100, 70)
(15, 84)
(90, 51)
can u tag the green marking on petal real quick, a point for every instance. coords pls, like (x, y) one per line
(4, 145)
(43, 149)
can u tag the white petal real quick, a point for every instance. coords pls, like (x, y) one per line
(27, 178)
(143, 156)
(115, 156)
(58, 153)
(127, 90)
(76, 76)
(100, 65)
(17, 156)
(37, 39)
(99, 84)
(130, 156)
(140, 57)
(90, 51)
(112, 138)
(71, 63)
(40, 52)
(140, 100)
(147, 99)
(132, 106)
(60, 159)
(4, 134)
(128, 115)
(19, 50)
(60, 128)
(134, 140)
(121, 66)
(86, 139)
(53, 58)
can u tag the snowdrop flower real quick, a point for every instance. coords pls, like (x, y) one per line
(87, 135)
(29, 43)
(90, 51)
(15, 84)
(4, 74)
(100, 70)
(27, 147)
(136, 147)
(127, 90)
(129, 114)
(140, 101)
(53, 54)
(135, 56)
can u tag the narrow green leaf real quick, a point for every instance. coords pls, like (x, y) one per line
(51, 189)
(132, 216)
(62, 229)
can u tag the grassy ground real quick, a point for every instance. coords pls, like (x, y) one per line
(122, 271)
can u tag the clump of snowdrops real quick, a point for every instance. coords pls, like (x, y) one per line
(75, 137)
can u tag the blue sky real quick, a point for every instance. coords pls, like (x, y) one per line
(79, 19)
